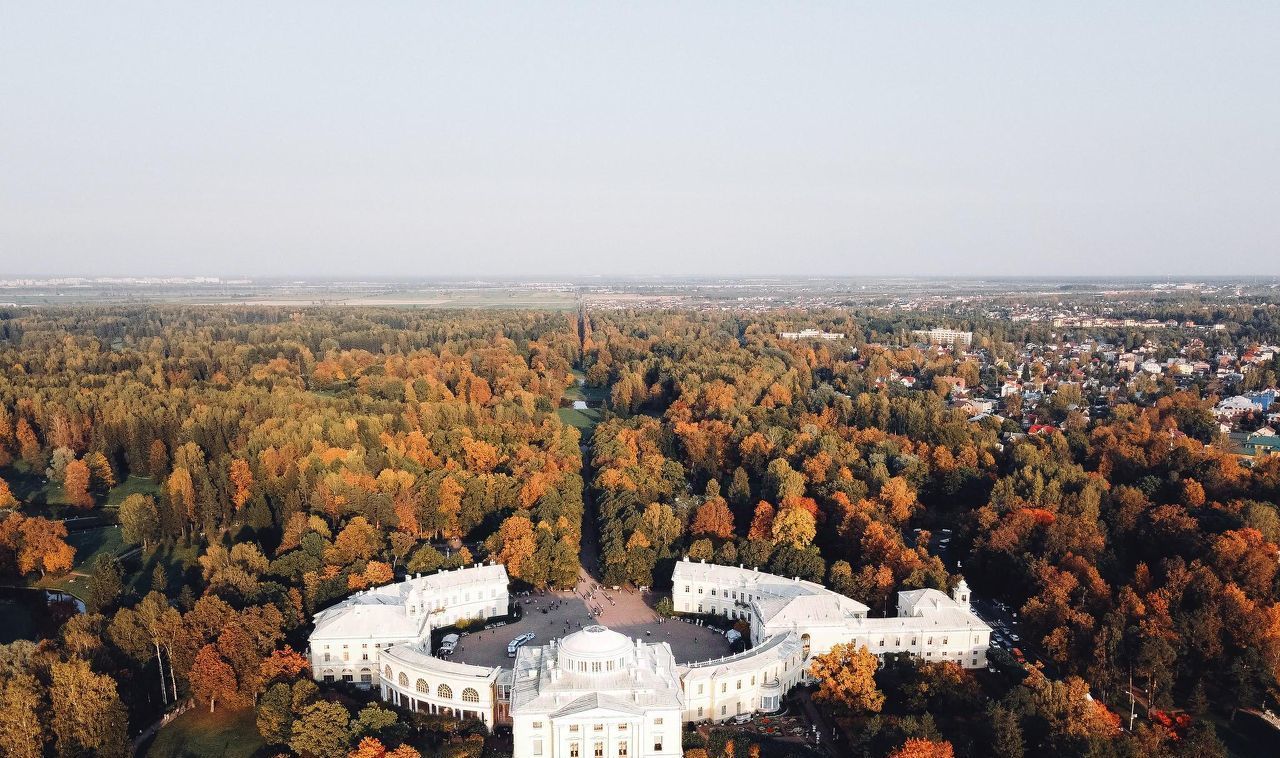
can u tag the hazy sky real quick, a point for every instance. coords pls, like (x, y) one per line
(385, 138)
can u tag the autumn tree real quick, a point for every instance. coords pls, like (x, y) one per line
(321, 731)
(514, 544)
(846, 678)
(922, 748)
(75, 484)
(88, 717)
(139, 520)
(713, 519)
(212, 678)
(762, 522)
(242, 482)
(23, 716)
(7, 500)
(794, 526)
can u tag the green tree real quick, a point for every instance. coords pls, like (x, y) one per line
(139, 520)
(275, 714)
(321, 731)
(105, 584)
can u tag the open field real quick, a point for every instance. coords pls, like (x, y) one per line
(200, 734)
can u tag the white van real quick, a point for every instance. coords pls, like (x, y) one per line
(517, 642)
(448, 644)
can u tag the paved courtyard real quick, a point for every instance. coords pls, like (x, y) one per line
(629, 613)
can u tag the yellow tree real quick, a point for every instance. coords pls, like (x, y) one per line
(7, 500)
(898, 498)
(242, 481)
(846, 678)
(514, 544)
(795, 527)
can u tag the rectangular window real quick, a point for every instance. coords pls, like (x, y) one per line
(597, 727)
(573, 727)
(328, 678)
(599, 750)
(537, 747)
(686, 588)
(739, 684)
(573, 750)
(657, 721)
(699, 688)
(657, 742)
(537, 725)
(699, 711)
(366, 678)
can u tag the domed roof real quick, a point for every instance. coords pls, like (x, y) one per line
(595, 641)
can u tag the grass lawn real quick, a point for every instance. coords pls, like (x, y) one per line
(133, 485)
(198, 733)
(175, 558)
(89, 544)
(41, 497)
(578, 391)
(583, 420)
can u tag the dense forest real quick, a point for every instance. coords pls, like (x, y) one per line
(283, 460)
(1133, 551)
(262, 463)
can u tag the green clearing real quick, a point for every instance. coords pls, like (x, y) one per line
(134, 485)
(579, 391)
(175, 558)
(582, 420)
(41, 497)
(198, 733)
(89, 544)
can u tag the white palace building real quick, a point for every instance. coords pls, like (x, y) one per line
(597, 694)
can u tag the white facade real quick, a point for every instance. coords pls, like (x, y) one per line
(929, 624)
(350, 637)
(944, 336)
(415, 679)
(596, 693)
(811, 334)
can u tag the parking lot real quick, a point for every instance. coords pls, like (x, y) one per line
(554, 614)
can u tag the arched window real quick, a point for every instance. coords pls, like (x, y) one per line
(469, 695)
(387, 672)
(444, 692)
(422, 686)
(404, 679)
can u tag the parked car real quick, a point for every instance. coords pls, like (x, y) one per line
(448, 644)
(515, 644)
